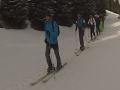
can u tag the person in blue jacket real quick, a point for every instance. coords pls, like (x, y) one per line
(51, 39)
(80, 26)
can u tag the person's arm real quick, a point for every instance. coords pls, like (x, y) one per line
(46, 30)
(76, 26)
(89, 22)
(84, 23)
(58, 28)
(48, 33)
(47, 36)
(58, 31)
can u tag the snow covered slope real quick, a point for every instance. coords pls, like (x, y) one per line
(22, 60)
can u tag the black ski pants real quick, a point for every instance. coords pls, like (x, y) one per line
(92, 32)
(56, 51)
(81, 36)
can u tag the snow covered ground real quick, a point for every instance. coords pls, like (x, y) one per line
(22, 60)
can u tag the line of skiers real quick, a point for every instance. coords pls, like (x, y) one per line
(52, 32)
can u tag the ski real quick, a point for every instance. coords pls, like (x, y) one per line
(97, 38)
(91, 41)
(41, 78)
(80, 51)
(53, 75)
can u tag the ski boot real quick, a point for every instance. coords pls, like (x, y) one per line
(82, 48)
(50, 69)
(58, 67)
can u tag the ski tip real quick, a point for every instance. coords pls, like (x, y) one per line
(32, 84)
(44, 81)
(65, 63)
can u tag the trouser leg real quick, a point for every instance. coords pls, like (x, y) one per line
(81, 37)
(56, 51)
(47, 54)
(97, 31)
(92, 31)
(91, 34)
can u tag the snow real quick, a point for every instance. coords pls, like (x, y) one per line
(22, 60)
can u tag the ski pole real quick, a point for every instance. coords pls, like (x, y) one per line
(75, 40)
(86, 39)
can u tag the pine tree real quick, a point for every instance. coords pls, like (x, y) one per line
(14, 13)
(117, 6)
(65, 10)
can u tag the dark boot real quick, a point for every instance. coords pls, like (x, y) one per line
(82, 48)
(59, 64)
(50, 69)
(59, 67)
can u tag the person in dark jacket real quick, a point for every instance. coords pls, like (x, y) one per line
(51, 39)
(80, 26)
(97, 19)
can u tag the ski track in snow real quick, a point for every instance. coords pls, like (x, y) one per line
(22, 60)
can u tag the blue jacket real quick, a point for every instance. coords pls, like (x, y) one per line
(51, 32)
(80, 23)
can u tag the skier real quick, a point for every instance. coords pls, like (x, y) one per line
(101, 26)
(97, 19)
(80, 25)
(92, 24)
(51, 35)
